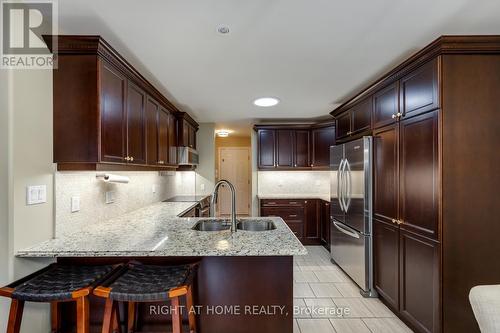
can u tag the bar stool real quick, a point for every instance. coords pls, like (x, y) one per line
(148, 283)
(54, 284)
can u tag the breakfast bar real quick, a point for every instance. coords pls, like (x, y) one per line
(235, 289)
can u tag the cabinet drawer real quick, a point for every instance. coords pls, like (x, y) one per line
(283, 203)
(297, 229)
(289, 214)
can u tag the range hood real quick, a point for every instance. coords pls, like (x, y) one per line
(187, 156)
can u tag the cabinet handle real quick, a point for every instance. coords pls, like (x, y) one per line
(292, 202)
(349, 133)
(292, 215)
(271, 203)
(394, 221)
(400, 222)
(131, 159)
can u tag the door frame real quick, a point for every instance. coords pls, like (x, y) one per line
(218, 177)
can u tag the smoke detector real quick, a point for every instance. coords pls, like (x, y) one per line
(223, 29)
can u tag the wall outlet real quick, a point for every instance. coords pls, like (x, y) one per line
(75, 204)
(110, 197)
(202, 187)
(36, 194)
(153, 188)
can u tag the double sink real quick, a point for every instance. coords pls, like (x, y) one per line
(225, 224)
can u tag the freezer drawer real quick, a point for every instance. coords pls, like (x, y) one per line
(349, 250)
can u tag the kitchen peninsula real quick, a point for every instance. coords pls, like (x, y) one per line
(234, 267)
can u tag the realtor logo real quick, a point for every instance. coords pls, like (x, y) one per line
(23, 27)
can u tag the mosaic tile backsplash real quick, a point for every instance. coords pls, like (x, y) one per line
(127, 197)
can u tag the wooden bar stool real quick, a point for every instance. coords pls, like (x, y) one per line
(148, 283)
(54, 284)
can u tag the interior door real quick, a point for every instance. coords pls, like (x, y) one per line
(234, 166)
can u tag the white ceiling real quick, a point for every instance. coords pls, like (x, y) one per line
(309, 53)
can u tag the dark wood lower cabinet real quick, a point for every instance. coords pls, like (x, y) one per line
(419, 282)
(386, 262)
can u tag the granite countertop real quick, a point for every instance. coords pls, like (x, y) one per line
(325, 197)
(156, 231)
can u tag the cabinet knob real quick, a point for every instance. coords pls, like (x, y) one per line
(394, 221)
(349, 133)
(295, 164)
(127, 158)
(399, 114)
(312, 164)
(131, 159)
(393, 116)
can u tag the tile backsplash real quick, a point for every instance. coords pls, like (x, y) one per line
(127, 197)
(293, 182)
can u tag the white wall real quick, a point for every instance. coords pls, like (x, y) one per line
(205, 172)
(4, 196)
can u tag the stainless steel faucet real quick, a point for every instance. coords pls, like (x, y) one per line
(213, 201)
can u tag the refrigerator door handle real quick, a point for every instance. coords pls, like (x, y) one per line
(344, 187)
(339, 180)
(345, 230)
(348, 185)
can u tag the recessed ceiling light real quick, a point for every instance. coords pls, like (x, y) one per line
(266, 101)
(223, 29)
(223, 133)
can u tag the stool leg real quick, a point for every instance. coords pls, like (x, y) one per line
(190, 309)
(108, 316)
(82, 315)
(131, 317)
(55, 318)
(15, 316)
(176, 316)
(116, 319)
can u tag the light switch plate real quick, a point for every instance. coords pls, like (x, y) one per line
(36, 194)
(110, 197)
(75, 204)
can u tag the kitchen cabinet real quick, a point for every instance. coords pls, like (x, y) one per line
(266, 139)
(301, 215)
(322, 139)
(186, 130)
(301, 153)
(108, 112)
(285, 148)
(325, 222)
(386, 262)
(386, 105)
(356, 121)
(164, 129)
(136, 121)
(113, 118)
(435, 128)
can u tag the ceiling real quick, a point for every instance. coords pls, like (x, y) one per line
(311, 54)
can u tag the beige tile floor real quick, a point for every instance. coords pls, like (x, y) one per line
(327, 301)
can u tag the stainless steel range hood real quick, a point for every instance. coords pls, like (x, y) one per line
(187, 156)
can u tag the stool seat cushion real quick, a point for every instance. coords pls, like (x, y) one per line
(59, 282)
(148, 283)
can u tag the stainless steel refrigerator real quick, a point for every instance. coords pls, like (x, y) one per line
(351, 211)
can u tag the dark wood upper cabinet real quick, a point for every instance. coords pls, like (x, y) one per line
(385, 173)
(113, 113)
(419, 179)
(284, 148)
(343, 125)
(322, 139)
(172, 140)
(106, 109)
(419, 90)
(267, 148)
(386, 105)
(163, 136)
(419, 282)
(136, 125)
(152, 138)
(386, 262)
(186, 130)
(356, 120)
(301, 149)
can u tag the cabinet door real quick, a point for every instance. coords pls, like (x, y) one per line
(266, 145)
(163, 136)
(185, 133)
(325, 224)
(361, 116)
(192, 137)
(386, 262)
(172, 142)
(419, 282)
(343, 125)
(385, 173)
(385, 105)
(419, 177)
(136, 124)
(301, 153)
(312, 223)
(323, 138)
(152, 131)
(419, 90)
(284, 148)
(112, 100)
